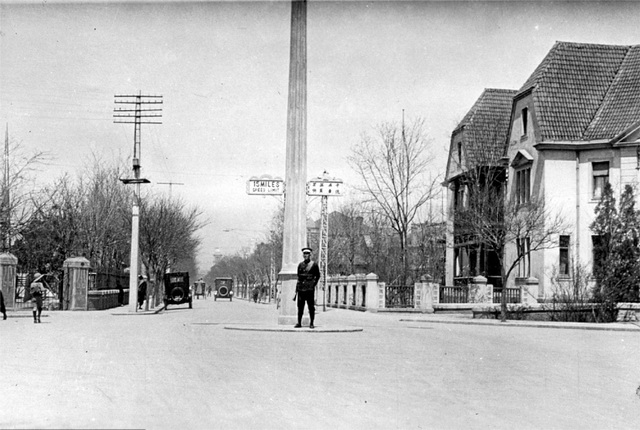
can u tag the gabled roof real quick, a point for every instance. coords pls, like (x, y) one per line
(521, 158)
(485, 127)
(586, 91)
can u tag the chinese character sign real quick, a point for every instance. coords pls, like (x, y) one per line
(320, 187)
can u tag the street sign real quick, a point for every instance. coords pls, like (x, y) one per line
(324, 187)
(265, 185)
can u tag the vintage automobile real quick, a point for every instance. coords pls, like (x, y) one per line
(176, 289)
(224, 288)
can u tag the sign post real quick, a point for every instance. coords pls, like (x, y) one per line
(324, 186)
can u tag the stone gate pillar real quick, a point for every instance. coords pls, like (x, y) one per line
(372, 293)
(76, 284)
(426, 294)
(478, 290)
(8, 263)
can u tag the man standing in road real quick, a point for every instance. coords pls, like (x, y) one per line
(308, 276)
(37, 291)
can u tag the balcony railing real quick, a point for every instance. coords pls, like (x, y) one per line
(513, 295)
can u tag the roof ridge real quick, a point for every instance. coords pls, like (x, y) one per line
(468, 117)
(539, 71)
(616, 78)
(566, 43)
(502, 90)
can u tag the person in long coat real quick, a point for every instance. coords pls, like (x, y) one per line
(142, 291)
(3, 310)
(308, 276)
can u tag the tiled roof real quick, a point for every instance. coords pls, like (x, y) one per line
(485, 126)
(586, 91)
(621, 105)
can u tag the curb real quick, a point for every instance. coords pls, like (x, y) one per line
(570, 326)
(11, 315)
(288, 329)
(149, 312)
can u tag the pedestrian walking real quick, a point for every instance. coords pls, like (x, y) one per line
(308, 276)
(120, 293)
(142, 291)
(37, 291)
(2, 308)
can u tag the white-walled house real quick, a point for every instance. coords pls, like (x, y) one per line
(574, 126)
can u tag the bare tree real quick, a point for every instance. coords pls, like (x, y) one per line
(427, 240)
(167, 235)
(88, 217)
(346, 238)
(18, 188)
(393, 165)
(381, 246)
(104, 221)
(487, 215)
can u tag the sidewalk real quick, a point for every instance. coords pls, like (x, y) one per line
(469, 320)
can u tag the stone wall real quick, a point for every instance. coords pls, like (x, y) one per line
(105, 299)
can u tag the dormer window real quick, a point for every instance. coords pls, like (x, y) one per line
(524, 114)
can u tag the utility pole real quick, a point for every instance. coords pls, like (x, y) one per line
(6, 197)
(136, 116)
(324, 249)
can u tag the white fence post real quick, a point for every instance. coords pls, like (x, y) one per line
(426, 294)
(373, 292)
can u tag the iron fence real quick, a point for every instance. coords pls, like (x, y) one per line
(458, 294)
(107, 281)
(399, 296)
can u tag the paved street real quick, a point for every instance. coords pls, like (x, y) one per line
(182, 369)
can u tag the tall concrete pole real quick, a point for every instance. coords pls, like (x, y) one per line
(133, 267)
(295, 207)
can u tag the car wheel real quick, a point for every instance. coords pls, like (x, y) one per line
(177, 294)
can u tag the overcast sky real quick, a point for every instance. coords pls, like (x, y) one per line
(222, 69)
